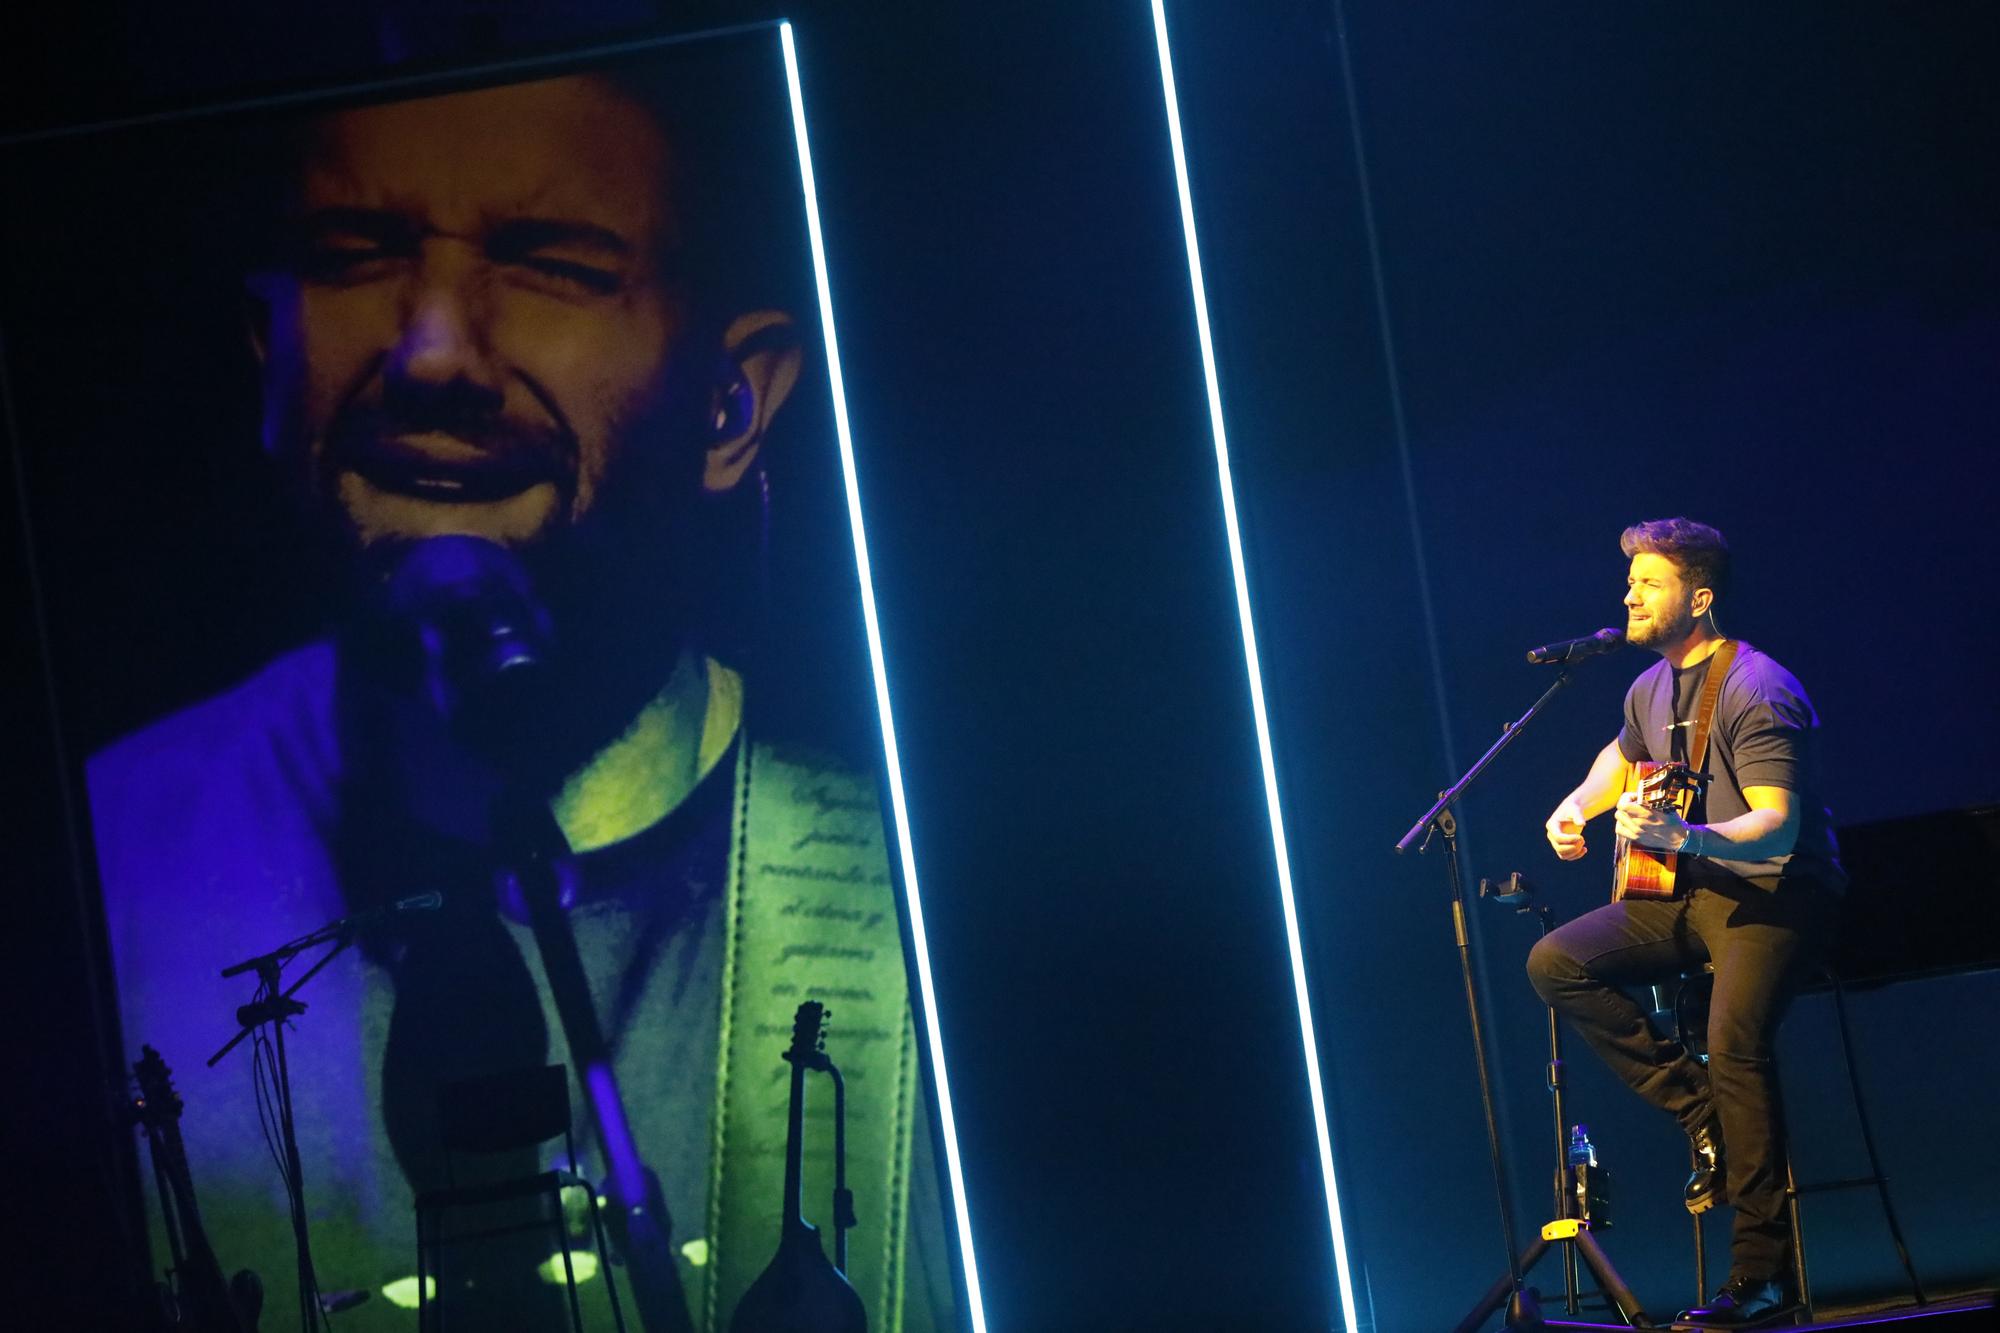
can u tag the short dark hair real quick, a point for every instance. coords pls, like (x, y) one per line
(1701, 553)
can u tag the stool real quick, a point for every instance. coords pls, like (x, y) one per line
(517, 1109)
(1692, 992)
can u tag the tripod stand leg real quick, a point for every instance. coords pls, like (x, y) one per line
(1607, 1277)
(1497, 1294)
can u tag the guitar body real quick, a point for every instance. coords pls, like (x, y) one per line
(1643, 872)
(800, 1292)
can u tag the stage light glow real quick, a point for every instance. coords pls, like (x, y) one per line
(1342, 1272)
(402, 1293)
(905, 853)
(582, 1262)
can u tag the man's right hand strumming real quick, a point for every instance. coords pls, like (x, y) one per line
(1598, 793)
(1565, 830)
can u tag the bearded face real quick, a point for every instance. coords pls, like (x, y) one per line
(1659, 606)
(472, 331)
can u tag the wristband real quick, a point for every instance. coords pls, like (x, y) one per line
(1693, 839)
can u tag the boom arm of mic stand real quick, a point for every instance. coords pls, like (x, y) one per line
(1439, 818)
(281, 1004)
(1507, 734)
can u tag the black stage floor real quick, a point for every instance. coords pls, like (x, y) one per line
(1976, 1314)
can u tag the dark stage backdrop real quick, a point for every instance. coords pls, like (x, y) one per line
(1633, 263)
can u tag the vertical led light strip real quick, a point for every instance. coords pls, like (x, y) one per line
(908, 859)
(1342, 1273)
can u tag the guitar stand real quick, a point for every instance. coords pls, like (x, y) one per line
(1573, 1234)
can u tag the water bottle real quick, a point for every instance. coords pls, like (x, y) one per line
(1592, 1183)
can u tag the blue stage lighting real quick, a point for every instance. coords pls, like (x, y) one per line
(895, 772)
(1341, 1269)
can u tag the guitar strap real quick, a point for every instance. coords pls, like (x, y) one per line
(810, 914)
(1711, 693)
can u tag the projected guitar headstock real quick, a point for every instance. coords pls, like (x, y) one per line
(808, 1048)
(158, 1103)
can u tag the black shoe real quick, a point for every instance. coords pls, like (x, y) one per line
(1743, 1302)
(1704, 1187)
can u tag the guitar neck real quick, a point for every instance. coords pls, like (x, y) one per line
(204, 1294)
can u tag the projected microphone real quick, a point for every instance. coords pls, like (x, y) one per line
(367, 919)
(463, 612)
(375, 916)
(473, 606)
(1574, 650)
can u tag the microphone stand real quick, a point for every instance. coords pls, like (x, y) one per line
(530, 848)
(1523, 1310)
(272, 1005)
(1571, 1228)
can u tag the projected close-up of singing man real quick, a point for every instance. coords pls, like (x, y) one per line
(505, 368)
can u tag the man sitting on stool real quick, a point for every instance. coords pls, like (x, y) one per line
(1759, 885)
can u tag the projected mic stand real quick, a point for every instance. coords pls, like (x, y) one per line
(1523, 1303)
(272, 1005)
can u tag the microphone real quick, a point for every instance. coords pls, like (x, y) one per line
(367, 919)
(375, 916)
(1574, 650)
(473, 606)
(463, 612)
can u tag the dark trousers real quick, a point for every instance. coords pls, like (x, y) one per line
(1763, 944)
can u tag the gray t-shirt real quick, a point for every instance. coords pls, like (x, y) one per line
(1765, 734)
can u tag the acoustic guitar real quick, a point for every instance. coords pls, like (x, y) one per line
(1646, 872)
(199, 1300)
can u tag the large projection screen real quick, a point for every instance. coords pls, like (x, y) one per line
(440, 530)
